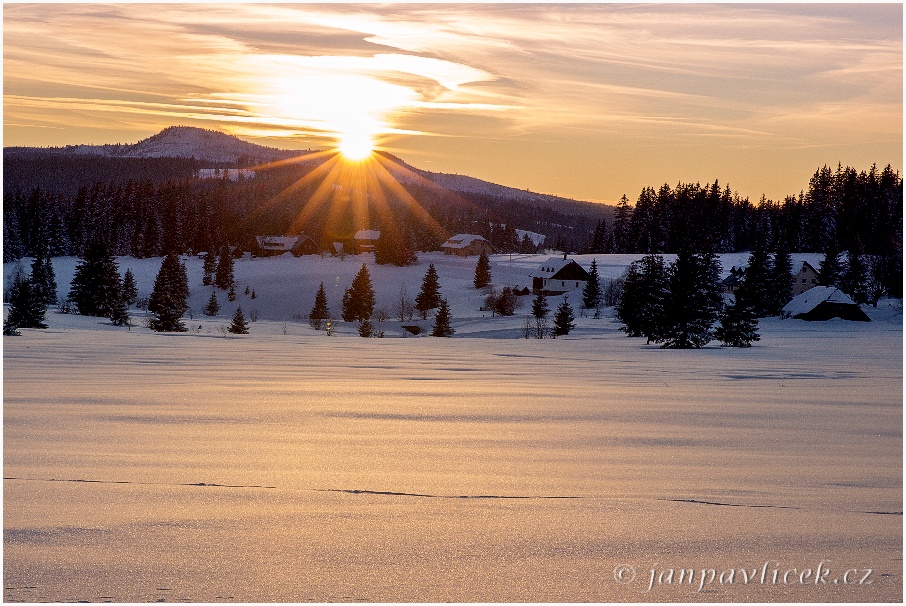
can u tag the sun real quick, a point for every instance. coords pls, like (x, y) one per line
(356, 146)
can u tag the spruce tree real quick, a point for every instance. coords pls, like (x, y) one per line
(738, 324)
(781, 281)
(442, 327)
(120, 313)
(428, 297)
(231, 295)
(209, 267)
(482, 271)
(358, 300)
(239, 325)
(758, 282)
(27, 308)
(642, 305)
(366, 328)
(213, 306)
(168, 298)
(540, 309)
(829, 267)
(694, 301)
(564, 320)
(130, 290)
(223, 277)
(320, 313)
(96, 286)
(42, 277)
(854, 280)
(628, 308)
(621, 225)
(592, 294)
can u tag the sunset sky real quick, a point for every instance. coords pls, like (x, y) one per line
(586, 101)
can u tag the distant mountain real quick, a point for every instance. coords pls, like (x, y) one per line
(217, 147)
(172, 142)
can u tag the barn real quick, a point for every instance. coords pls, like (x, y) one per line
(467, 244)
(559, 276)
(823, 303)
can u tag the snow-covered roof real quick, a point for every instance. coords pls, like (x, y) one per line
(798, 266)
(277, 242)
(811, 298)
(460, 241)
(551, 267)
(367, 234)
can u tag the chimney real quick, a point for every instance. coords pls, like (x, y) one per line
(564, 256)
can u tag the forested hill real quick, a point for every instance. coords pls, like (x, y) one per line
(149, 205)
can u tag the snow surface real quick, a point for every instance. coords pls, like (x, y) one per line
(286, 465)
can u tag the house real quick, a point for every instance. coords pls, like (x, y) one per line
(824, 303)
(804, 278)
(558, 276)
(732, 282)
(277, 245)
(365, 240)
(467, 244)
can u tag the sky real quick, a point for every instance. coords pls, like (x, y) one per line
(588, 101)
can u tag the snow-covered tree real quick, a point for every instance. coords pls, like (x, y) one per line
(320, 313)
(482, 271)
(358, 300)
(428, 297)
(168, 298)
(442, 326)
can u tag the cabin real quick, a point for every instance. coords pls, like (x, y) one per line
(805, 277)
(732, 282)
(821, 303)
(559, 276)
(465, 245)
(269, 246)
(365, 240)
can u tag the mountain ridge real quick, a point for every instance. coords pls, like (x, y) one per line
(218, 147)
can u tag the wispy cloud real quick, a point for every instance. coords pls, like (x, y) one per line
(739, 76)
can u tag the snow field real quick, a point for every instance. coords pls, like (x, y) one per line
(142, 466)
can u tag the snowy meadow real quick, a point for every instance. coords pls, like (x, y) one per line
(288, 465)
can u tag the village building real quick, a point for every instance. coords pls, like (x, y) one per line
(804, 278)
(268, 246)
(465, 245)
(559, 276)
(732, 282)
(365, 240)
(824, 303)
